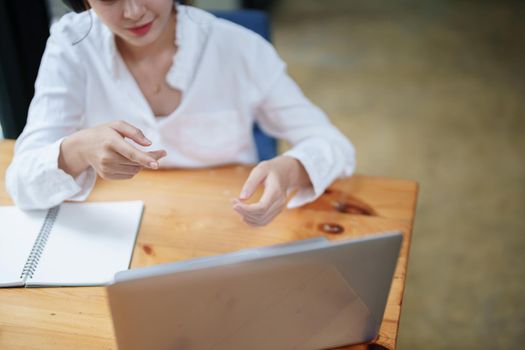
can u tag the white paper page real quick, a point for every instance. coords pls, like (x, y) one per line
(18, 231)
(89, 243)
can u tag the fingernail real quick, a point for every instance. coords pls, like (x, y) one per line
(154, 165)
(244, 195)
(147, 141)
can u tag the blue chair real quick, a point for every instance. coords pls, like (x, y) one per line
(259, 23)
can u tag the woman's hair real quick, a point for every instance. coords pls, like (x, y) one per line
(82, 5)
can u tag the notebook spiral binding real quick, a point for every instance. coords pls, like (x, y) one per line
(39, 245)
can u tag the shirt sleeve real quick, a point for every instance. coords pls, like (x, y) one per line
(33, 179)
(285, 113)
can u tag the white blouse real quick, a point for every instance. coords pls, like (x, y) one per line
(229, 78)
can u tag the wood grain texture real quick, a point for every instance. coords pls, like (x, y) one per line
(188, 214)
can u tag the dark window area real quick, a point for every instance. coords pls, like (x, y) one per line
(23, 33)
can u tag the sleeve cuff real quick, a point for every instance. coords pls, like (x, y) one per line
(305, 195)
(45, 184)
(74, 188)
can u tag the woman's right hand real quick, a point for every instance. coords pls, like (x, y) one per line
(105, 149)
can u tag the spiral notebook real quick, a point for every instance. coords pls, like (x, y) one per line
(74, 244)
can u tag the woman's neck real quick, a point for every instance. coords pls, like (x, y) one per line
(165, 41)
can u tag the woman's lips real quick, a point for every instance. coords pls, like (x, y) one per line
(141, 30)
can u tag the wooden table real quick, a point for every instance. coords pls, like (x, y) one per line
(188, 214)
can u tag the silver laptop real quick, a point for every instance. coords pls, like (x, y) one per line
(310, 294)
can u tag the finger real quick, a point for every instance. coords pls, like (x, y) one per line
(121, 160)
(262, 221)
(114, 176)
(251, 222)
(246, 215)
(236, 204)
(266, 218)
(131, 153)
(273, 213)
(127, 130)
(256, 177)
(270, 194)
(158, 154)
(121, 176)
(254, 220)
(127, 169)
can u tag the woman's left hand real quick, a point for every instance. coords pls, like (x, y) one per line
(278, 176)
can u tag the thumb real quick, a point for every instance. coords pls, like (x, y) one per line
(255, 178)
(157, 154)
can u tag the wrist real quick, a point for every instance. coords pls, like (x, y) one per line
(70, 158)
(297, 173)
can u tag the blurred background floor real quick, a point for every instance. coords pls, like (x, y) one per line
(433, 91)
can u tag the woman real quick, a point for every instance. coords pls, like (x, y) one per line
(131, 84)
